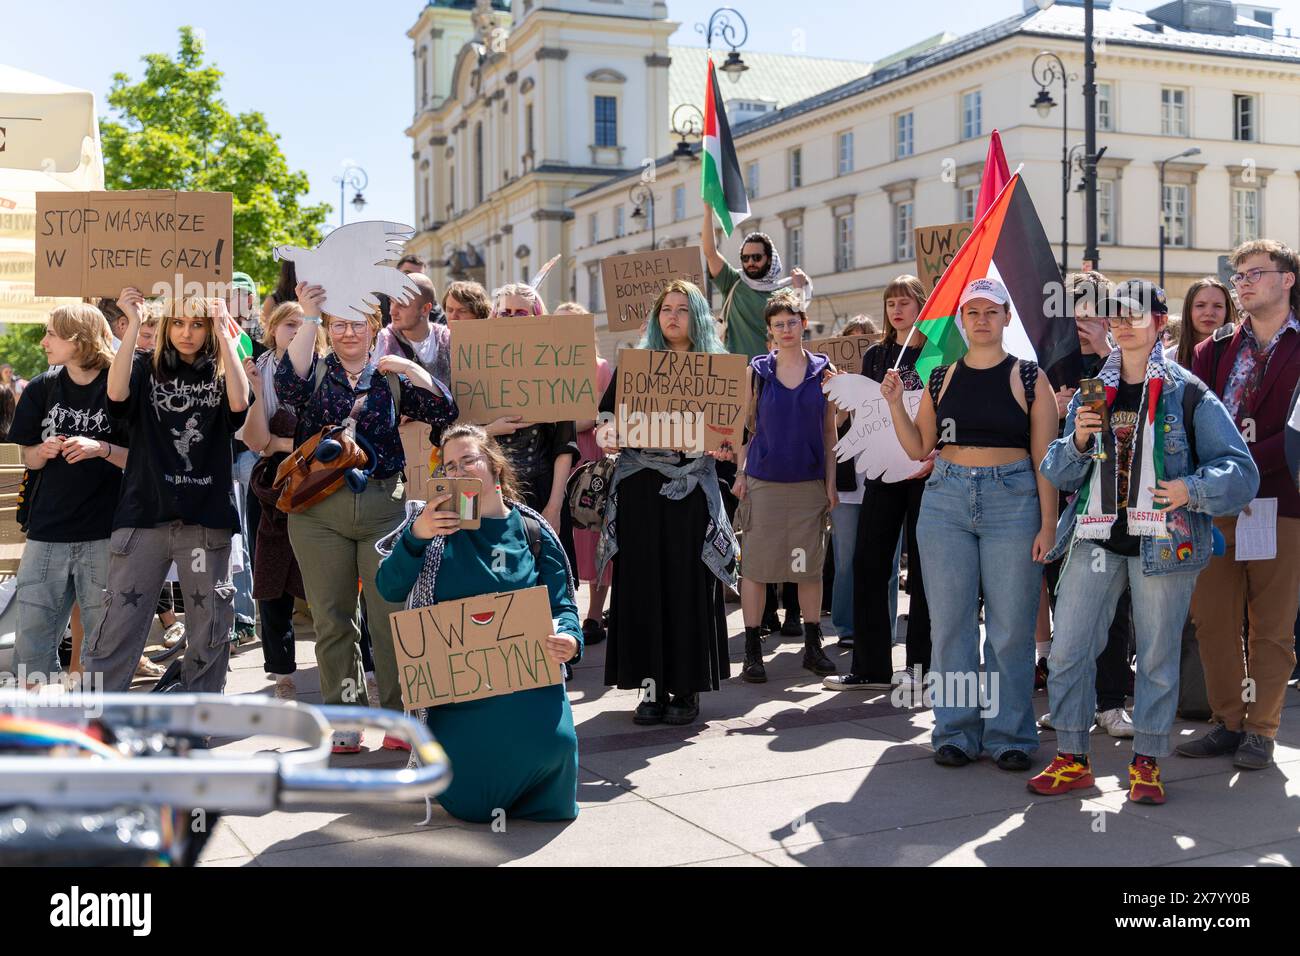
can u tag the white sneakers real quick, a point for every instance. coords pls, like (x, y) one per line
(1115, 722)
(346, 742)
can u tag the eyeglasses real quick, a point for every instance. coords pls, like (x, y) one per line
(1251, 276)
(756, 257)
(342, 327)
(1132, 321)
(783, 326)
(454, 468)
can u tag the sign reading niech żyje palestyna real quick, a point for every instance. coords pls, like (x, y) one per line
(159, 241)
(542, 368)
(633, 282)
(481, 646)
(684, 401)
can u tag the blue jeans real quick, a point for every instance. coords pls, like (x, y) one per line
(245, 609)
(844, 536)
(51, 576)
(1091, 584)
(976, 531)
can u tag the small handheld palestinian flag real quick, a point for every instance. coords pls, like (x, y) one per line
(243, 344)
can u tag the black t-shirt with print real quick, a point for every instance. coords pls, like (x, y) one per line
(1123, 422)
(73, 502)
(182, 433)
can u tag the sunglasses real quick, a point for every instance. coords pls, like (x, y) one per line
(758, 257)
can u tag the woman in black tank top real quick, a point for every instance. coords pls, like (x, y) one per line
(987, 520)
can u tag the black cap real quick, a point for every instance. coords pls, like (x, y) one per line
(1136, 295)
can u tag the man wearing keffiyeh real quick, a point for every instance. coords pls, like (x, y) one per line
(1146, 487)
(746, 292)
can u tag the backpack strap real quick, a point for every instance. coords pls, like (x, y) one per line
(1029, 379)
(533, 531)
(937, 378)
(1193, 391)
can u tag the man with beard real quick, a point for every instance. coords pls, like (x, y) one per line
(746, 292)
(415, 332)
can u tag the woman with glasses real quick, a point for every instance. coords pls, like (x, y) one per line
(786, 474)
(1146, 482)
(515, 754)
(335, 538)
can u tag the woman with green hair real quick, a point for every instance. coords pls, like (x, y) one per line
(667, 532)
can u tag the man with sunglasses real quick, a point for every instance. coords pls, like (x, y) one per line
(1255, 374)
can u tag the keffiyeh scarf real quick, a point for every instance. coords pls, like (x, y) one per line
(773, 279)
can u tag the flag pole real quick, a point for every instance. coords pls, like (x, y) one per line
(898, 361)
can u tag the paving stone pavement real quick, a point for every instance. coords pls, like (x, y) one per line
(789, 774)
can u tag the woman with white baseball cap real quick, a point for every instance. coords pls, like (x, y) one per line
(987, 518)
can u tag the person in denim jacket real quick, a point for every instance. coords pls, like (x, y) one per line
(1140, 516)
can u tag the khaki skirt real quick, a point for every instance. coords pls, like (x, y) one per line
(784, 530)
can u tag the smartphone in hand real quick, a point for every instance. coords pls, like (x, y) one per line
(464, 499)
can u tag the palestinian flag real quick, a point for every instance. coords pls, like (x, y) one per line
(721, 184)
(1007, 244)
(243, 344)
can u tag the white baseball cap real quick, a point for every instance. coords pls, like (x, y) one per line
(985, 288)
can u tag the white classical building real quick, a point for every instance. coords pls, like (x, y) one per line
(839, 175)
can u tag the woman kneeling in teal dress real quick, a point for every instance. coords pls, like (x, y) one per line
(518, 752)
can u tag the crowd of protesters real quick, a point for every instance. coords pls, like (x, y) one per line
(1055, 538)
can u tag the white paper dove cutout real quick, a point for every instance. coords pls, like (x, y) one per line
(871, 437)
(352, 264)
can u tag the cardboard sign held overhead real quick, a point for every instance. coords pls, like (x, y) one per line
(634, 281)
(483, 646)
(542, 368)
(935, 247)
(353, 263)
(844, 351)
(683, 401)
(98, 243)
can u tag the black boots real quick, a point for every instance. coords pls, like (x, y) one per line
(814, 658)
(753, 671)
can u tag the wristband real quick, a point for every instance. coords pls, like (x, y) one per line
(312, 318)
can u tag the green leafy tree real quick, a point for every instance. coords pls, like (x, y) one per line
(20, 347)
(173, 131)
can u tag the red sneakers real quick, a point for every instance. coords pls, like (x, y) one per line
(1144, 784)
(1065, 773)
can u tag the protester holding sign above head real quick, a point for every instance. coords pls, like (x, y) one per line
(416, 334)
(672, 547)
(74, 453)
(987, 518)
(515, 753)
(466, 300)
(334, 538)
(888, 509)
(747, 291)
(181, 406)
(786, 482)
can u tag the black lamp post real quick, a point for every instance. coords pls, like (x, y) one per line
(1160, 198)
(1046, 69)
(688, 122)
(720, 23)
(642, 196)
(358, 179)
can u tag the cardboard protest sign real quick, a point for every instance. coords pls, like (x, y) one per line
(482, 646)
(935, 247)
(421, 462)
(634, 281)
(845, 351)
(871, 437)
(157, 240)
(683, 401)
(542, 368)
(353, 263)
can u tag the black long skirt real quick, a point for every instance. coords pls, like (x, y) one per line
(668, 623)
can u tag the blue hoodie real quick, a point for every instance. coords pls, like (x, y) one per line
(788, 443)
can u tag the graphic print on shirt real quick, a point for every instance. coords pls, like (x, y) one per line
(185, 439)
(179, 397)
(74, 421)
(1124, 424)
(175, 398)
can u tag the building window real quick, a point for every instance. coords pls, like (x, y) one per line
(796, 168)
(845, 152)
(1176, 216)
(1173, 112)
(1105, 108)
(594, 304)
(903, 135)
(1245, 215)
(593, 230)
(966, 200)
(844, 242)
(751, 180)
(620, 223)
(903, 232)
(528, 128)
(1106, 211)
(478, 163)
(972, 115)
(1243, 118)
(794, 245)
(679, 203)
(606, 121)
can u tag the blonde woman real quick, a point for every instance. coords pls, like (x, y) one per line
(75, 453)
(182, 406)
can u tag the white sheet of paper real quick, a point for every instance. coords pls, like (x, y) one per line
(1257, 531)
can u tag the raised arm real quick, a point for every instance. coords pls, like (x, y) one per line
(709, 245)
(303, 347)
(119, 373)
(236, 380)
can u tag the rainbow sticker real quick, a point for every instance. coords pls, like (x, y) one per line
(1184, 551)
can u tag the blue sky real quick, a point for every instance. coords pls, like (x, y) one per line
(334, 77)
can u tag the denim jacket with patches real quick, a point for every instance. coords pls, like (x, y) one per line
(1224, 481)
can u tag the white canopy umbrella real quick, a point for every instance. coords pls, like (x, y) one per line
(49, 141)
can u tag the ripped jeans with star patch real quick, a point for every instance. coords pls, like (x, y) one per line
(138, 561)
